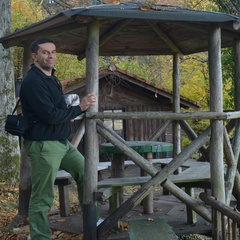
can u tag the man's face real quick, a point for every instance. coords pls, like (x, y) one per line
(45, 58)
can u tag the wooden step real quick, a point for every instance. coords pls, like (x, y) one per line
(154, 229)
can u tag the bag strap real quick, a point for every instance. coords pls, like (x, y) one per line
(16, 106)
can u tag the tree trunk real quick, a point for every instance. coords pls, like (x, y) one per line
(9, 145)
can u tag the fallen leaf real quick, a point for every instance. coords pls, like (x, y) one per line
(145, 7)
(61, 220)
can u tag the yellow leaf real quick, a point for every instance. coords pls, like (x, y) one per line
(61, 220)
(111, 1)
(145, 7)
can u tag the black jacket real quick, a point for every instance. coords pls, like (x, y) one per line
(44, 106)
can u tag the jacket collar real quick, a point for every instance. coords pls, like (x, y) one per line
(39, 72)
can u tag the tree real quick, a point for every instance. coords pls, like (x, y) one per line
(9, 145)
(10, 154)
(24, 13)
(51, 7)
(229, 6)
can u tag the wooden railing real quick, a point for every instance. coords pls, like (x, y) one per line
(230, 218)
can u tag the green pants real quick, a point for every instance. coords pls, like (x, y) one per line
(46, 158)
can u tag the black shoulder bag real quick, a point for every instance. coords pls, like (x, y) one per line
(16, 124)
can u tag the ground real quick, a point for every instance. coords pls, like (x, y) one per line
(8, 209)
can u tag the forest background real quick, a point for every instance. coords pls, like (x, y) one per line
(154, 69)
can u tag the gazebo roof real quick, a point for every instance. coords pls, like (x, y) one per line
(128, 29)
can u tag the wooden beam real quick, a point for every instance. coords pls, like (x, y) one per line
(203, 28)
(42, 33)
(192, 135)
(221, 207)
(79, 134)
(165, 38)
(159, 131)
(231, 168)
(108, 35)
(164, 115)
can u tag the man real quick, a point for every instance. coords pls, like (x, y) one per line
(46, 141)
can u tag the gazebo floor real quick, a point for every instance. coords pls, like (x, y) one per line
(166, 207)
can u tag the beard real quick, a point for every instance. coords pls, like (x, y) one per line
(46, 65)
(46, 68)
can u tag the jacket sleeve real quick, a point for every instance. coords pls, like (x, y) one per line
(44, 101)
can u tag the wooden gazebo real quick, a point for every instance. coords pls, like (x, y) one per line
(141, 29)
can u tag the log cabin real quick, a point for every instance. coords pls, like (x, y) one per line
(121, 91)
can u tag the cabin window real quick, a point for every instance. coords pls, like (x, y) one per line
(115, 124)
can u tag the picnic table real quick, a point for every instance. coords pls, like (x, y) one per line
(145, 148)
(195, 174)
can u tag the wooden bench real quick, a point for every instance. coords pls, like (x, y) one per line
(63, 180)
(191, 177)
(196, 174)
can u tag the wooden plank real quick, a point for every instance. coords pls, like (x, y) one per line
(127, 181)
(63, 174)
(154, 229)
(187, 163)
(190, 175)
(163, 161)
(193, 174)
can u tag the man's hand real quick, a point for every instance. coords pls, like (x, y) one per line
(87, 101)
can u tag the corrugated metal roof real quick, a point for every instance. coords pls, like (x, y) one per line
(131, 29)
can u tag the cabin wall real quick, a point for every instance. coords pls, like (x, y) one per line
(120, 96)
(115, 94)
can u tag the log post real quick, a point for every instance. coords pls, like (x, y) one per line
(236, 138)
(91, 137)
(216, 142)
(176, 106)
(148, 200)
